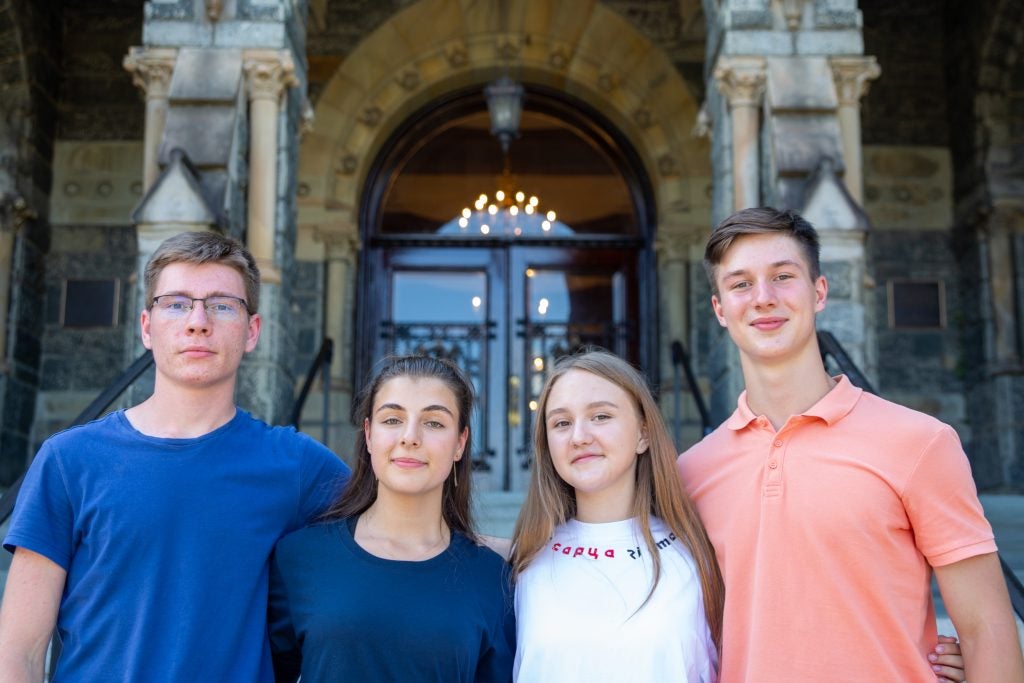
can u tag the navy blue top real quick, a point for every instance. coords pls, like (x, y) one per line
(339, 613)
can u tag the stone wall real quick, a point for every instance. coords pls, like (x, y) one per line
(77, 364)
(29, 71)
(97, 98)
(907, 103)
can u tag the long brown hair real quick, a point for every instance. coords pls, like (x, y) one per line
(361, 491)
(550, 501)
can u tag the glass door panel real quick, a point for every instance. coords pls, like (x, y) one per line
(450, 304)
(566, 300)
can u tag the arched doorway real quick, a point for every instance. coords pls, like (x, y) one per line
(505, 262)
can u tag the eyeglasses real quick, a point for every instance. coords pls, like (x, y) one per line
(178, 306)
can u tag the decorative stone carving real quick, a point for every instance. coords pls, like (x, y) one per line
(457, 55)
(793, 11)
(151, 69)
(607, 82)
(214, 9)
(560, 57)
(341, 246)
(741, 80)
(408, 80)
(308, 117)
(853, 76)
(347, 164)
(642, 117)
(508, 49)
(268, 73)
(14, 212)
(370, 116)
(667, 165)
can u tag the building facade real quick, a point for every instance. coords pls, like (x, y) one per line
(351, 144)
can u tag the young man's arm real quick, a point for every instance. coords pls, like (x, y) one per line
(975, 596)
(28, 615)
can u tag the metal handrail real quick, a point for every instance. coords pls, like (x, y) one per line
(92, 411)
(681, 360)
(830, 346)
(321, 364)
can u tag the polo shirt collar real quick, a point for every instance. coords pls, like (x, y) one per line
(832, 407)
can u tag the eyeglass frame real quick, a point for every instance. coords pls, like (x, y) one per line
(203, 300)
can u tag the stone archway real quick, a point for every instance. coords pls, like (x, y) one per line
(436, 46)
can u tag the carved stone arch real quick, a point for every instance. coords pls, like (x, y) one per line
(1000, 79)
(15, 103)
(436, 46)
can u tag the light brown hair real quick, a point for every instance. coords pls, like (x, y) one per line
(197, 248)
(759, 221)
(361, 491)
(550, 501)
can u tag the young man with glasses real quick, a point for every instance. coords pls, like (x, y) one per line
(144, 536)
(830, 508)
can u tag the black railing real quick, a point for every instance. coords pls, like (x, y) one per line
(681, 363)
(830, 346)
(322, 366)
(92, 411)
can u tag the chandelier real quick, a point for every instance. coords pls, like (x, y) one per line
(509, 211)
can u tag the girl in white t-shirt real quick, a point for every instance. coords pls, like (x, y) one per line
(616, 579)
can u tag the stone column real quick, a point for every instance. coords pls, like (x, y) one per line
(341, 254)
(267, 74)
(852, 75)
(13, 214)
(742, 81)
(1002, 226)
(151, 70)
(673, 253)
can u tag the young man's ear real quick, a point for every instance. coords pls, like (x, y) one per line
(820, 294)
(144, 320)
(253, 336)
(716, 306)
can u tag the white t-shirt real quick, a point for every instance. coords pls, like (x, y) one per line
(579, 614)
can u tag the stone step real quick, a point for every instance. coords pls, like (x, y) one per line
(496, 511)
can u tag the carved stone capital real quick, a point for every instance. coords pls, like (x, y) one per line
(672, 248)
(268, 73)
(151, 69)
(852, 76)
(741, 80)
(14, 212)
(340, 246)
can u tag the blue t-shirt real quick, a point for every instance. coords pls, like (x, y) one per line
(338, 613)
(166, 543)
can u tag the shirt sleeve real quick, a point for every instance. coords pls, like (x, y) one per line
(942, 503)
(284, 647)
(495, 665)
(43, 520)
(323, 477)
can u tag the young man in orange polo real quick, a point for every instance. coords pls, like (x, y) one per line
(829, 507)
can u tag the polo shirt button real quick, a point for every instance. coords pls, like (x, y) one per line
(772, 464)
(778, 444)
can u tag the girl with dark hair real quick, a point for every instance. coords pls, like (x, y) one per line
(393, 585)
(615, 576)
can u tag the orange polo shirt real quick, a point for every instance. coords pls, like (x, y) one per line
(826, 532)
